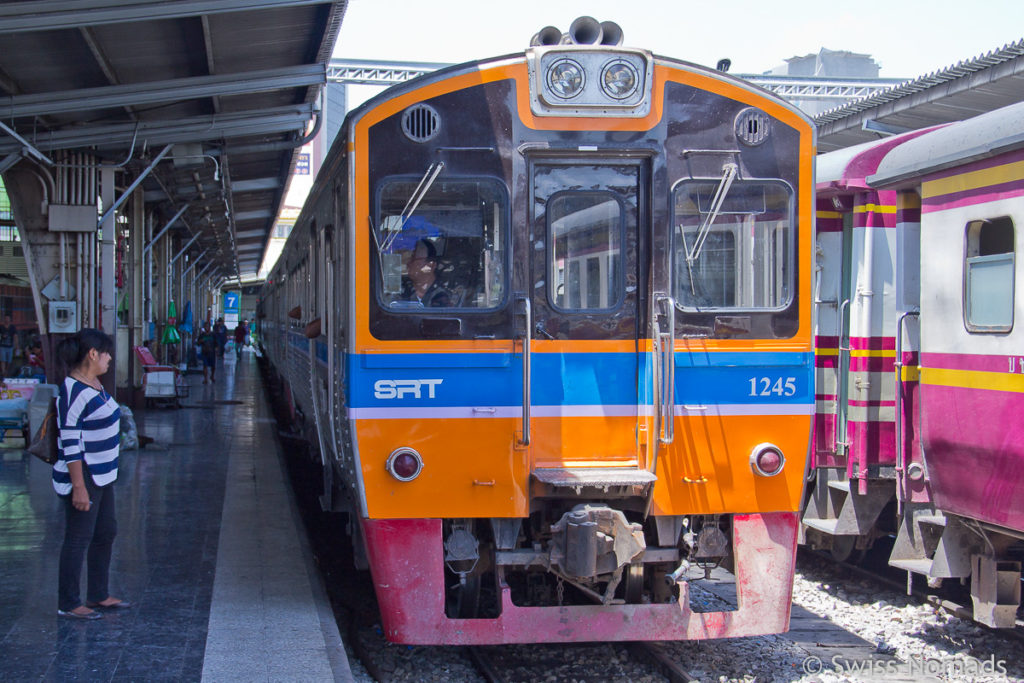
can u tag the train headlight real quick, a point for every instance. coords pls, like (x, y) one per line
(619, 79)
(767, 460)
(404, 464)
(566, 78)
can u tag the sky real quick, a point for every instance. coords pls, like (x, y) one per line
(908, 38)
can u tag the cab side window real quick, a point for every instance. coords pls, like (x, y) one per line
(447, 251)
(988, 275)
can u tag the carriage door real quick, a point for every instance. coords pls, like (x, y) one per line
(584, 274)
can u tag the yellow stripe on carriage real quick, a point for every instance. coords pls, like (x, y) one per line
(973, 180)
(973, 379)
(874, 208)
(910, 373)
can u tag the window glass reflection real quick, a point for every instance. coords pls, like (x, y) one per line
(585, 231)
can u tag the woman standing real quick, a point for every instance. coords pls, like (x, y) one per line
(90, 430)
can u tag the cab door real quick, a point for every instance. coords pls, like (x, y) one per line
(584, 266)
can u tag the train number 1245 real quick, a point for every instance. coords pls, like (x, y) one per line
(764, 386)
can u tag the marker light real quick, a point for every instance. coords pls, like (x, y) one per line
(566, 78)
(619, 79)
(404, 464)
(767, 460)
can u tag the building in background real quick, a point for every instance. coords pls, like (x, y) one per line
(826, 64)
(334, 106)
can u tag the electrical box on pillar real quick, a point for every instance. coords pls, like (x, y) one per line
(63, 317)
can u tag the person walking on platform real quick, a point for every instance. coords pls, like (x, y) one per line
(208, 350)
(8, 341)
(241, 332)
(220, 331)
(89, 431)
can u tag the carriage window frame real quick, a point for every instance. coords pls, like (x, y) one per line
(619, 284)
(503, 195)
(975, 260)
(791, 251)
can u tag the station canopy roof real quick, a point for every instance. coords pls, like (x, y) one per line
(232, 84)
(959, 92)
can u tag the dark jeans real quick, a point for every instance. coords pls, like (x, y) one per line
(91, 531)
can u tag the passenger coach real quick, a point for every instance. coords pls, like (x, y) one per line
(921, 356)
(547, 319)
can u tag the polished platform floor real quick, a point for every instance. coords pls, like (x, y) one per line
(210, 549)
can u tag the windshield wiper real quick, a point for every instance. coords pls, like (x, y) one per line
(729, 172)
(394, 228)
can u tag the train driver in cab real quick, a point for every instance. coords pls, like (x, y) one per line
(420, 283)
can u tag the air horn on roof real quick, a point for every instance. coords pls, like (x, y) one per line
(582, 31)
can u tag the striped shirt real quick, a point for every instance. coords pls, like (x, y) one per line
(90, 429)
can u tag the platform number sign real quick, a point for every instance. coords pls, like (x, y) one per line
(232, 305)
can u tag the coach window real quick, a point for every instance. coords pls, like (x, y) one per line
(455, 238)
(585, 237)
(988, 275)
(732, 245)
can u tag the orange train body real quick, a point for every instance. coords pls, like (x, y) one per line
(565, 353)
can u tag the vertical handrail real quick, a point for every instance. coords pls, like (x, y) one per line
(839, 375)
(900, 455)
(656, 402)
(528, 314)
(668, 387)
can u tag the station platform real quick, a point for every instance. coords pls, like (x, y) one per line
(210, 550)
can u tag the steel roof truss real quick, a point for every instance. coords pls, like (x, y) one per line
(49, 15)
(194, 129)
(174, 90)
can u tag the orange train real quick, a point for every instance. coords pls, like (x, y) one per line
(547, 319)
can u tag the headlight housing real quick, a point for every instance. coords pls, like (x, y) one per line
(590, 80)
(566, 78)
(619, 79)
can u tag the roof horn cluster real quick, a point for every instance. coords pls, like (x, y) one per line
(582, 31)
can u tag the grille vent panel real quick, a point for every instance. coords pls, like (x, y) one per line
(753, 126)
(421, 122)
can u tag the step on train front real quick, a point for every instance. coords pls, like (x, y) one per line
(547, 319)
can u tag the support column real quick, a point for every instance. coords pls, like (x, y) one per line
(107, 296)
(136, 278)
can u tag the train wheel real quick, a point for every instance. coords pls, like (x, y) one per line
(634, 584)
(843, 548)
(466, 597)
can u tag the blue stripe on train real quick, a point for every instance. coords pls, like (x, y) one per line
(395, 380)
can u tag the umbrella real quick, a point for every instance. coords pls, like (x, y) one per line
(171, 335)
(186, 319)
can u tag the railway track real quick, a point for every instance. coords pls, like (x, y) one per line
(957, 609)
(493, 665)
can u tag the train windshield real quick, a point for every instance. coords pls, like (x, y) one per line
(448, 253)
(732, 245)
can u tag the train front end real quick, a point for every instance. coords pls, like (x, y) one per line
(580, 376)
